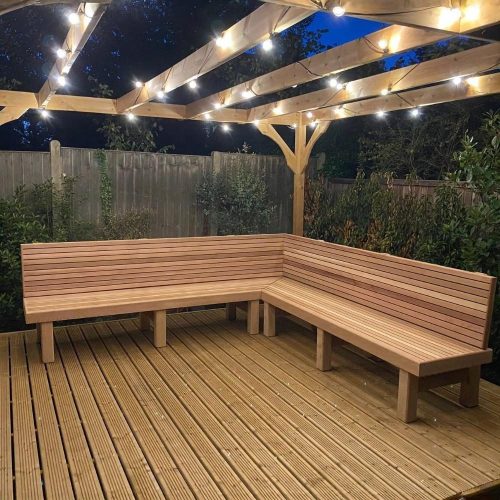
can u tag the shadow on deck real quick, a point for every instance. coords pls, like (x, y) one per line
(219, 413)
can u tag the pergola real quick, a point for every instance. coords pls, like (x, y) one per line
(413, 24)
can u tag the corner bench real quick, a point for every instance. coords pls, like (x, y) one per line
(431, 322)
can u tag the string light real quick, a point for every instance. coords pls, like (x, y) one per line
(294, 86)
(414, 112)
(73, 18)
(44, 114)
(313, 124)
(193, 84)
(61, 53)
(218, 105)
(338, 10)
(277, 110)
(449, 16)
(160, 94)
(207, 116)
(226, 127)
(138, 84)
(247, 94)
(471, 13)
(457, 81)
(294, 125)
(383, 45)
(380, 114)
(256, 122)
(473, 81)
(61, 80)
(267, 45)
(223, 41)
(130, 116)
(340, 86)
(309, 114)
(385, 91)
(333, 82)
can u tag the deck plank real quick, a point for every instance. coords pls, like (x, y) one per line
(219, 413)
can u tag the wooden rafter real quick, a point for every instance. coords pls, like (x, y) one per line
(437, 94)
(463, 63)
(245, 34)
(349, 55)
(7, 6)
(431, 14)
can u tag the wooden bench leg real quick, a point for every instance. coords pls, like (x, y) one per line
(469, 388)
(407, 396)
(253, 317)
(323, 350)
(145, 321)
(231, 311)
(269, 320)
(160, 328)
(46, 336)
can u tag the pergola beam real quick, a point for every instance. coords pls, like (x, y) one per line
(245, 34)
(11, 5)
(430, 14)
(333, 61)
(464, 63)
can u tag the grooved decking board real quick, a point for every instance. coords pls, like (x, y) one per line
(219, 413)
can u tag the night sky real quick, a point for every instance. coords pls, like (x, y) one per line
(78, 130)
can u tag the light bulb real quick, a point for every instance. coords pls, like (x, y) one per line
(277, 110)
(61, 53)
(294, 86)
(218, 105)
(471, 13)
(414, 112)
(457, 81)
(226, 127)
(130, 116)
(256, 122)
(294, 125)
(313, 124)
(160, 94)
(138, 84)
(309, 114)
(73, 18)
(339, 86)
(267, 45)
(338, 11)
(333, 82)
(44, 113)
(380, 114)
(383, 44)
(473, 81)
(61, 80)
(246, 94)
(449, 16)
(384, 91)
(207, 116)
(66, 69)
(193, 84)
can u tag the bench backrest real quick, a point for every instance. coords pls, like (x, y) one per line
(65, 268)
(448, 301)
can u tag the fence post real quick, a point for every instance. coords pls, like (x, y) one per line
(56, 164)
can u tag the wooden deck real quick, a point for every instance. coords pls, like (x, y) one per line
(222, 414)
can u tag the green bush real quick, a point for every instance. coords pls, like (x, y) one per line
(439, 229)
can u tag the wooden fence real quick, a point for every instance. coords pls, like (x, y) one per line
(165, 184)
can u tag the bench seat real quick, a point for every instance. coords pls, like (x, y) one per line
(403, 344)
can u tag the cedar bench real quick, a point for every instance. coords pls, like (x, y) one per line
(431, 322)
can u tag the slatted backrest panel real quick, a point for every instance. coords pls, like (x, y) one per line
(65, 268)
(449, 301)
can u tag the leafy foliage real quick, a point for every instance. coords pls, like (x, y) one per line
(235, 201)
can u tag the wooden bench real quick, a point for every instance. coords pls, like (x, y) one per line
(65, 281)
(430, 321)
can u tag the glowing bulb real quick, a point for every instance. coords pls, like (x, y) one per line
(218, 105)
(73, 18)
(221, 42)
(294, 125)
(294, 86)
(246, 94)
(471, 13)
(449, 16)
(383, 44)
(160, 94)
(457, 81)
(138, 84)
(226, 127)
(44, 113)
(414, 112)
(339, 111)
(193, 84)
(380, 114)
(61, 53)
(384, 91)
(313, 124)
(256, 122)
(277, 110)
(207, 116)
(267, 45)
(333, 82)
(473, 81)
(61, 80)
(130, 116)
(338, 11)
(66, 69)
(309, 114)
(339, 86)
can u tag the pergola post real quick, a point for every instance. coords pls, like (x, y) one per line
(297, 161)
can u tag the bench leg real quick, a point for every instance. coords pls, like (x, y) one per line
(46, 336)
(231, 311)
(407, 396)
(145, 321)
(160, 328)
(253, 317)
(323, 350)
(269, 320)
(469, 388)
